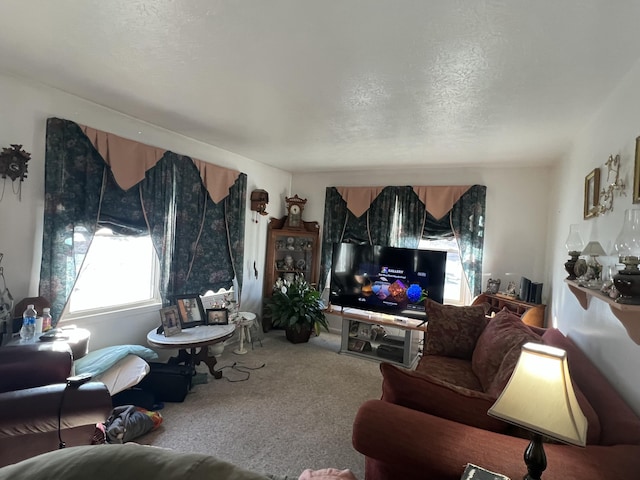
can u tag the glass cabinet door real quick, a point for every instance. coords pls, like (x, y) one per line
(293, 255)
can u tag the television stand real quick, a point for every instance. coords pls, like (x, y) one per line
(380, 337)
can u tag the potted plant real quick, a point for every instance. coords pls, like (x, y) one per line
(296, 306)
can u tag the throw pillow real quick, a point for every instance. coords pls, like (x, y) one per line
(452, 331)
(437, 397)
(618, 423)
(502, 333)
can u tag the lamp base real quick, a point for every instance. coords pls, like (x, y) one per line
(535, 458)
(570, 264)
(627, 282)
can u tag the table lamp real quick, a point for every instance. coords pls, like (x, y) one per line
(627, 247)
(574, 245)
(594, 268)
(540, 398)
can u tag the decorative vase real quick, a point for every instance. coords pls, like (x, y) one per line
(298, 336)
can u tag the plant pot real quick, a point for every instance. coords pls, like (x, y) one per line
(298, 336)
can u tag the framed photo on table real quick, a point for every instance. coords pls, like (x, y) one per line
(190, 309)
(217, 316)
(170, 320)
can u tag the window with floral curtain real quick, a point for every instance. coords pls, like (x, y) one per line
(198, 235)
(399, 216)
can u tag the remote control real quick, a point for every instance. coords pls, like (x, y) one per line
(78, 380)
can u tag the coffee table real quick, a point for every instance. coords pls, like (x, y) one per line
(191, 339)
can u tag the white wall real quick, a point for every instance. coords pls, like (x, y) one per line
(516, 212)
(25, 108)
(597, 331)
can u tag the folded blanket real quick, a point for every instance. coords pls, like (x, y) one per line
(99, 361)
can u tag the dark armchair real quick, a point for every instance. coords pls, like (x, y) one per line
(33, 390)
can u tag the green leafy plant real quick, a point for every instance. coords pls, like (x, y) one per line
(296, 304)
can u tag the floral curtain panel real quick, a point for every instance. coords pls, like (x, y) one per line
(398, 217)
(199, 243)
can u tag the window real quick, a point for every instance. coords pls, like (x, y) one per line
(456, 290)
(118, 271)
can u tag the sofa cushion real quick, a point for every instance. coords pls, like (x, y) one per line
(451, 370)
(502, 333)
(618, 423)
(504, 372)
(434, 396)
(452, 330)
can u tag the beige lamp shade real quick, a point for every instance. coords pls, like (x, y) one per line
(540, 397)
(594, 249)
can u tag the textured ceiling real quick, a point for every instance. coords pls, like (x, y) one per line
(310, 85)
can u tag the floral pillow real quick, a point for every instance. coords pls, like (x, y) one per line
(503, 332)
(452, 331)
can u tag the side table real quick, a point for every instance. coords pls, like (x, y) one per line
(189, 340)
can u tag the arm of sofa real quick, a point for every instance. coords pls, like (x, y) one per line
(29, 418)
(34, 364)
(403, 443)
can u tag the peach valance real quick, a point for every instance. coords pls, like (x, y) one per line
(218, 180)
(129, 161)
(359, 198)
(438, 200)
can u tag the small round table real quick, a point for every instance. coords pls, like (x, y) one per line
(190, 339)
(244, 320)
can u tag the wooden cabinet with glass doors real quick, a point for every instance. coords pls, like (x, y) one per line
(290, 251)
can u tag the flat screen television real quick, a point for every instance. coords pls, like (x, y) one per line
(388, 280)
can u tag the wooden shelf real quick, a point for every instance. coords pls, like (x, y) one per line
(629, 315)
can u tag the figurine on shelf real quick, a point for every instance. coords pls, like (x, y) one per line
(493, 285)
(288, 263)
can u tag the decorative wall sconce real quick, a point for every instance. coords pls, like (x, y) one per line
(617, 185)
(13, 164)
(259, 200)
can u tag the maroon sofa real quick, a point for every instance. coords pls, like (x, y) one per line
(32, 387)
(432, 421)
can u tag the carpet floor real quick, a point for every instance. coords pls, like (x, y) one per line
(280, 409)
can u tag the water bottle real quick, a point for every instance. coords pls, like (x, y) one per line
(28, 330)
(46, 319)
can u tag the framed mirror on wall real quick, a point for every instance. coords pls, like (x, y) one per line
(636, 174)
(591, 193)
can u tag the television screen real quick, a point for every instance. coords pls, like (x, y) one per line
(385, 279)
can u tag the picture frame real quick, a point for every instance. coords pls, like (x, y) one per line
(636, 174)
(170, 320)
(591, 193)
(358, 345)
(190, 309)
(217, 316)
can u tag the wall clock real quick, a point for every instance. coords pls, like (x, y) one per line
(13, 164)
(295, 206)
